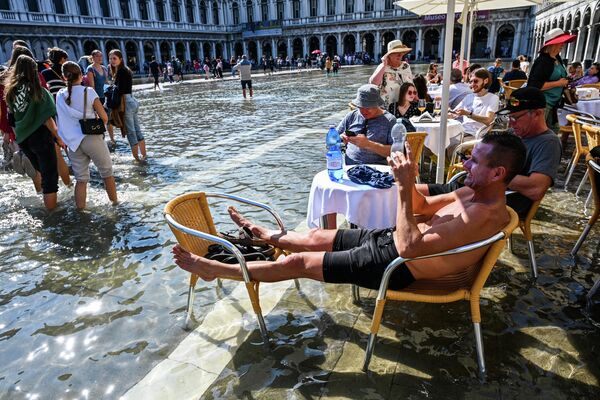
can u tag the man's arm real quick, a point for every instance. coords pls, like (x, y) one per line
(364, 143)
(533, 186)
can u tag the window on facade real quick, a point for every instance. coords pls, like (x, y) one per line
(235, 11)
(59, 6)
(314, 8)
(203, 12)
(83, 7)
(249, 11)
(104, 8)
(264, 10)
(280, 10)
(160, 10)
(349, 6)
(175, 11)
(189, 9)
(33, 6)
(296, 8)
(125, 9)
(4, 5)
(330, 7)
(389, 4)
(143, 8)
(215, 14)
(369, 5)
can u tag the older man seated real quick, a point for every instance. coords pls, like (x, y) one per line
(479, 108)
(458, 89)
(367, 130)
(525, 110)
(359, 256)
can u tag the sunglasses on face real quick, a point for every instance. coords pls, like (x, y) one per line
(412, 92)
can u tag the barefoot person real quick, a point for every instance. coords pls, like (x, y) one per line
(360, 256)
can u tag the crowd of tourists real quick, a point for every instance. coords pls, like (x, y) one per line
(53, 108)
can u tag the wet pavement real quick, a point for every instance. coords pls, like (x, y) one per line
(91, 305)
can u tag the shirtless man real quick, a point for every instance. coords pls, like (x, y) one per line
(359, 256)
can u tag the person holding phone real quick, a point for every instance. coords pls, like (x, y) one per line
(367, 130)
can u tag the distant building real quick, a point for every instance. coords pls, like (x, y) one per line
(195, 29)
(576, 17)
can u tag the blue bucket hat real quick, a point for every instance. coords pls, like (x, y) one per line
(368, 96)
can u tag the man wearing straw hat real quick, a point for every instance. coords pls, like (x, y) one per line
(549, 74)
(392, 72)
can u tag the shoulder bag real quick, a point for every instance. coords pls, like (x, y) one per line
(92, 126)
(112, 96)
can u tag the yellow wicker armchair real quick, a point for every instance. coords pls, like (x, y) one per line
(463, 286)
(191, 222)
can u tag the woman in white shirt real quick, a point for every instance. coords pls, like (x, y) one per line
(83, 148)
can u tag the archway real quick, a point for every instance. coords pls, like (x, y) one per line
(282, 50)
(431, 45)
(218, 50)
(69, 47)
(165, 51)
(148, 51)
(267, 51)
(38, 47)
(194, 51)
(585, 33)
(349, 44)
(313, 44)
(108, 46)
(297, 48)
(238, 49)
(131, 55)
(252, 51)
(409, 38)
(504, 41)
(385, 39)
(368, 44)
(89, 46)
(180, 51)
(206, 50)
(456, 39)
(561, 23)
(479, 43)
(331, 45)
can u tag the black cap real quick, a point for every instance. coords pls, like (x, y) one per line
(527, 98)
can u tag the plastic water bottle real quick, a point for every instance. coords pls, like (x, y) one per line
(398, 136)
(335, 164)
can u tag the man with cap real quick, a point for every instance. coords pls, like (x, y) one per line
(392, 72)
(549, 74)
(245, 68)
(367, 130)
(525, 110)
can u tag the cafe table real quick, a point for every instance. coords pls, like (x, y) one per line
(455, 129)
(591, 107)
(362, 205)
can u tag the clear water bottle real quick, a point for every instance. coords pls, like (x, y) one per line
(398, 136)
(335, 164)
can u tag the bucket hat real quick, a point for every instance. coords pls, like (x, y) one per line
(396, 46)
(368, 96)
(557, 36)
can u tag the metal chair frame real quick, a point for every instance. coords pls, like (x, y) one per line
(593, 168)
(251, 286)
(471, 293)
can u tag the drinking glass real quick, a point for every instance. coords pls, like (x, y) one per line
(437, 106)
(422, 106)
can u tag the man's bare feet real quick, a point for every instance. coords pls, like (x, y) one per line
(257, 231)
(192, 263)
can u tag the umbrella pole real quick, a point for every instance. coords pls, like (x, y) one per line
(470, 35)
(463, 35)
(441, 150)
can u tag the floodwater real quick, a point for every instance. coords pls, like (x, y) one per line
(90, 301)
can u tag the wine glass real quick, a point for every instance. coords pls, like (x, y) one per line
(422, 105)
(437, 106)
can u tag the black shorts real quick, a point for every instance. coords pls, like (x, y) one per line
(155, 76)
(437, 189)
(360, 257)
(39, 148)
(247, 83)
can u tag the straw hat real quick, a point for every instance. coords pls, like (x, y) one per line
(396, 46)
(557, 36)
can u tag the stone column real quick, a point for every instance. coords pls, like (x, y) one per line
(122, 48)
(245, 47)
(442, 42)
(340, 46)
(491, 42)
(213, 49)
(274, 49)
(419, 44)
(134, 10)
(197, 11)
(597, 51)
(168, 13)
(79, 48)
(173, 51)
(587, 52)
(377, 49)
(305, 46)
(152, 15)
(157, 54)
(579, 42)
(290, 50)
(141, 55)
(188, 56)
(103, 50)
(321, 43)
(517, 41)
(358, 42)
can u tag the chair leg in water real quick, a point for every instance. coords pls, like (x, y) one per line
(581, 239)
(534, 271)
(190, 302)
(377, 315)
(479, 346)
(510, 244)
(593, 290)
(356, 293)
(252, 288)
(581, 184)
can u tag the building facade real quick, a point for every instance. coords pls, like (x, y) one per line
(195, 29)
(581, 18)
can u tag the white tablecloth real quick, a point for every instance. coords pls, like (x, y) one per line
(587, 106)
(435, 91)
(455, 128)
(362, 205)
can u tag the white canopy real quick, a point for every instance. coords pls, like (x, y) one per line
(433, 7)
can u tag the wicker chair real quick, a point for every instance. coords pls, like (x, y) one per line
(593, 169)
(525, 226)
(191, 222)
(580, 149)
(417, 142)
(464, 286)
(512, 85)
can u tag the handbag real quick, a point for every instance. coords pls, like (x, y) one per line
(569, 96)
(112, 97)
(92, 126)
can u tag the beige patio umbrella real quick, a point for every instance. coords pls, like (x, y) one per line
(434, 7)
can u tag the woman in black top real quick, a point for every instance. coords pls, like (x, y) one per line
(53, 75)
(406, 106)
(123, 80)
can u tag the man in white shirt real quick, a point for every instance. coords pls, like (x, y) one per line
(458, 89)
(392, 72)
(479, 108)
